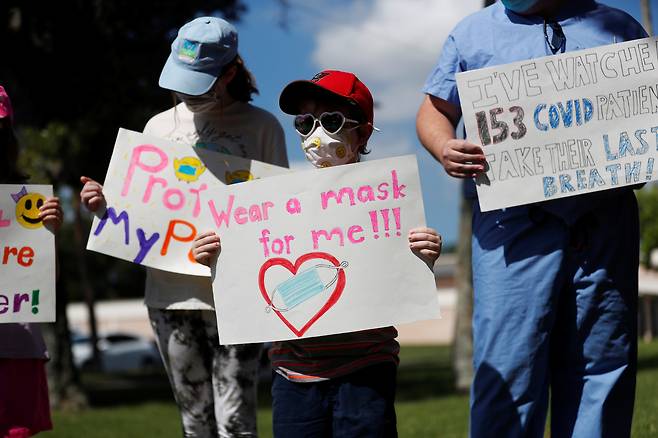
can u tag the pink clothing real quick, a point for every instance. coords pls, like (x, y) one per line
(18, 432)
(6, 109)
(24, 405)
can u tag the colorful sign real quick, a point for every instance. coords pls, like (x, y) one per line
(27, 268)
(564, 125)
(159, 197)
(320, 252)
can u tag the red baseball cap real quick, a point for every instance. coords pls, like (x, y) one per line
(332, 83)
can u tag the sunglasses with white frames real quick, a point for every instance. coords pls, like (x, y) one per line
(331, 122)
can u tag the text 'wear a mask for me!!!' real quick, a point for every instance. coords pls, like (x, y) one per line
(325, 150)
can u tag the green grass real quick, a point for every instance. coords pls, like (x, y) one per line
(139, 406)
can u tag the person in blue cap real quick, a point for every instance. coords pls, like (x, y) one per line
(555, 283)
(214, 386)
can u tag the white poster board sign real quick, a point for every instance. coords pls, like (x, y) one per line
(27, 264)
(564, 125)
(159, 197)
(323, 251)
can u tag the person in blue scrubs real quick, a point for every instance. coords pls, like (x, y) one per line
(555, 283)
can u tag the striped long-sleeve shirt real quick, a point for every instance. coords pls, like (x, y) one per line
(327, 357)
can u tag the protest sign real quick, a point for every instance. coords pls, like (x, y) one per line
(327, 253)
(564, 125)
(27, 271)
(157, 194)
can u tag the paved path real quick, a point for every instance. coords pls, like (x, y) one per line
(131, 316)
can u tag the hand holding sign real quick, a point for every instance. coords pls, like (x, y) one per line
(206, 247)
(426, 244)
(28, 214)
(50, 213)
(462, 159)
(91, 194)
(564, 125)
(157, 195)
(333, 255)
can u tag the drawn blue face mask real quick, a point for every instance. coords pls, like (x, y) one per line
(187, 169)
(303, 286)
(519, 5)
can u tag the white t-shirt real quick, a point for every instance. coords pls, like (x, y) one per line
(239, 129)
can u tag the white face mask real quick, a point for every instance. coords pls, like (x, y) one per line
(200, 104)
(325, 150)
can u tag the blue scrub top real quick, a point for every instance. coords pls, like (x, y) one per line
(495, 36)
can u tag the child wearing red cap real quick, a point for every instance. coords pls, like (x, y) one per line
(24, 406)
(339, 385)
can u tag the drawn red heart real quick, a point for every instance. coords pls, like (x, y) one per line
(333, 298)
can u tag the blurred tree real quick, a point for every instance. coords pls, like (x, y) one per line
(77, 71)
(648, 197)
(646, 16)
(648, 203)
(462, 346)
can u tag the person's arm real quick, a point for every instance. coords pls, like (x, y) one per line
(435, 125)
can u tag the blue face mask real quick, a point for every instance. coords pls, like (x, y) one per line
(302, 287)
(519, 5)
(187, 169)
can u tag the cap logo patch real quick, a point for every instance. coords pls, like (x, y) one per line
(319, 76)
(188, 51)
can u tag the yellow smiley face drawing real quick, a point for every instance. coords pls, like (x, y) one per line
(188, 169)
(27, 210)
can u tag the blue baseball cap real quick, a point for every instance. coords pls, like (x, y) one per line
(198, 54)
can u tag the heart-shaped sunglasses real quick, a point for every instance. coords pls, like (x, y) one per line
(331, 122)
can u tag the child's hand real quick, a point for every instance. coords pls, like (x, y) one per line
(425, 243)
(206, 247)
(92, 194)
(50, 214)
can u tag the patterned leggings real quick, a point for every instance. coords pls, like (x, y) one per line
(214, 386)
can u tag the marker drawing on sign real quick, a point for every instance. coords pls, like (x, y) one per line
(385, 214)
(302, 286)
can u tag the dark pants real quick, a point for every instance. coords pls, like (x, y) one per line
(360, 404)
